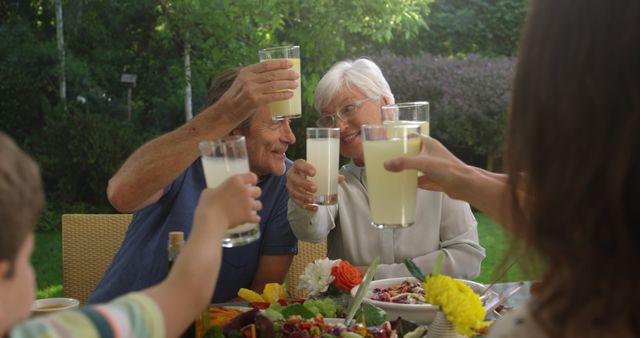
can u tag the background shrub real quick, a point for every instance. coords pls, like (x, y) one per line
(78, 152)
(468, 98)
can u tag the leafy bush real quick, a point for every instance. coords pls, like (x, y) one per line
(460, 27)
(28, 73)
(79, 152)
(468, 96)
(50, 220)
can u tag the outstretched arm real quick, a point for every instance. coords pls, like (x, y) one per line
(191, 282)
(445, 172)
(143, 176)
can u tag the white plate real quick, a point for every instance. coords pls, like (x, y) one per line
(419, 313)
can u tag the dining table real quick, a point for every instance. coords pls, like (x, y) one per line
(521, 296)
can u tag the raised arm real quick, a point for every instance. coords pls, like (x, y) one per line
(142, 178)
(190, 284)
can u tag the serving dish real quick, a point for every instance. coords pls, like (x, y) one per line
(419, 313)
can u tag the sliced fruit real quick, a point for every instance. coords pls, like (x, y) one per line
(273, 292)
(250, 296)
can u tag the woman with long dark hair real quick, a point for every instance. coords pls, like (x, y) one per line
(572, 184)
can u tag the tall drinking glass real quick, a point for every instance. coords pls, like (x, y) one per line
(291, 108)
(392, 196)
(221, 159)
(323, 152)
(408, 113)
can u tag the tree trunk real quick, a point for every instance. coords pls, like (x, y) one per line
(60, 38)
(188, 112)
(78, 17)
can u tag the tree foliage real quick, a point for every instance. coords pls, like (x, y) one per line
(81, 147)
(459, 27)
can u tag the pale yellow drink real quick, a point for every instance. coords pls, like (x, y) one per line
(424, 125)
(323, 154)
(424, 128)
(218, 169)
(392, 196)
(291, 108)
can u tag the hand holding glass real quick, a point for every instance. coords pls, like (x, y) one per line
(291, 108)
(392, 196)
(323, 153)
(221, 159)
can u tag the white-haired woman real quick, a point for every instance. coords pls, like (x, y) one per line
(349, 95)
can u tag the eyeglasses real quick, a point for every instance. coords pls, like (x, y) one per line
(345, 113)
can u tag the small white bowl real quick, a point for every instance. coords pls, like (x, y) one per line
(419, 313)
(46, 305)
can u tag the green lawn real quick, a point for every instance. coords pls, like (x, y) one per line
(47, 263)
(47, 259)
(496, 243)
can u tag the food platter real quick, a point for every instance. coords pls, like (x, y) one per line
(419, 313)
(290, 320)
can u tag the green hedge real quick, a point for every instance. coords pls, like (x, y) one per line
(468, 97)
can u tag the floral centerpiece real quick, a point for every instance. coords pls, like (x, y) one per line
(459, 303)
(461, 308)
(329, 278)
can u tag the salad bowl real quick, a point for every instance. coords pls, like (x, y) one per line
(421, 313)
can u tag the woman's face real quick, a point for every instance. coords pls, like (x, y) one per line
(365, 110)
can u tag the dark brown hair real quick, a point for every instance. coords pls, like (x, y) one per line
(574, 138)
(219, 86)
(21, 198)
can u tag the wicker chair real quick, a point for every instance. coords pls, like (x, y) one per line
(307, 253)
(89, 243)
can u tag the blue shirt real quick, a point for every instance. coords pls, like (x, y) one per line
(142, 259)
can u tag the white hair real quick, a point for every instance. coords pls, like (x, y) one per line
(361, 74)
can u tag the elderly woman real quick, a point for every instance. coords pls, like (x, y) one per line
(349, 95)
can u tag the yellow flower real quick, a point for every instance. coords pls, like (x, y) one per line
(457, 300)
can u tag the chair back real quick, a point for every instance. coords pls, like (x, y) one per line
(89, 243)
(307, 253)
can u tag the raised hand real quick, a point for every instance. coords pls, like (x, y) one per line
(235, 200)
(436, 162)
(301, 190)
(258, 84)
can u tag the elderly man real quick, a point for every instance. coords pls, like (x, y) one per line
(161, 181)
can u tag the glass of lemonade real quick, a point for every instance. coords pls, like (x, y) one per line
(392, 196)
(408, 113)
(291, 108)
(221, 159)
(323, 153)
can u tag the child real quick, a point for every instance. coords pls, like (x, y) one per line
(164, 310)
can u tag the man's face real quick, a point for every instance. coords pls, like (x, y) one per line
(267, 141)
(18, 291)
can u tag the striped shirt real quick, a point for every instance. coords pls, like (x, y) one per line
(132, 315)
